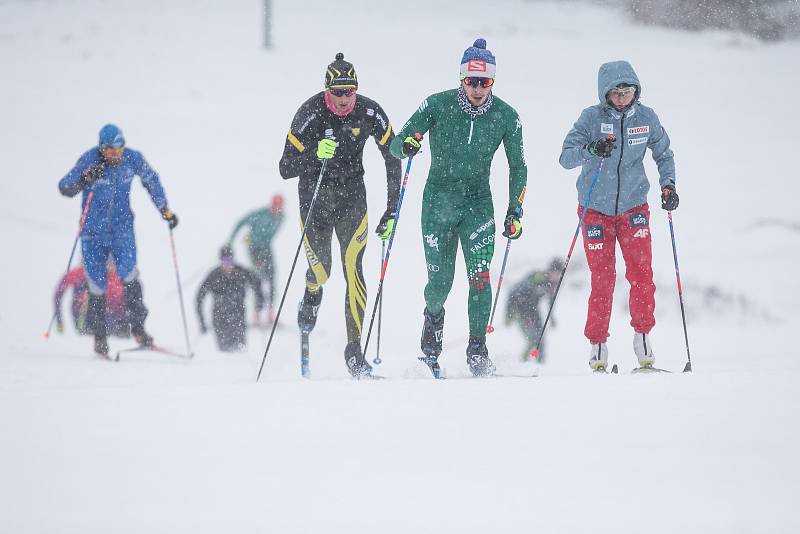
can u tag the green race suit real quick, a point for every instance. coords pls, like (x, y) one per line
(457, 202)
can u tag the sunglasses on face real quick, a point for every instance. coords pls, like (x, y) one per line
(349, 91)
(473, 81)
(622, 92)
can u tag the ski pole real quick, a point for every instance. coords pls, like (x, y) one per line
(377, 360)
(688, 367)
(490, 328)
(389, 250)
(294, 264)
(189, 353)
(89, 198)
(535, 350)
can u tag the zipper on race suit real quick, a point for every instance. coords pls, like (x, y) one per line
(471, 123)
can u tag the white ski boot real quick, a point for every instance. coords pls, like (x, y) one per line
(643, 350)
(598, 358)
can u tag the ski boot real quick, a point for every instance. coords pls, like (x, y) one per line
(354, 358)
(598, 358)
(307, 311)
(101, 346)
(478, 357)
(144, 339)
(431, 341)
(643, 350)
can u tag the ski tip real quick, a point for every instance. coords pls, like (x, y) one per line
(489, 329)
(535, 354)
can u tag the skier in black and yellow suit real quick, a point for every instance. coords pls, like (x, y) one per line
(334, 125)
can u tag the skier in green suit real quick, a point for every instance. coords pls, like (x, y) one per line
(466, 128)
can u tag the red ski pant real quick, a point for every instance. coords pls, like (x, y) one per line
(600, 235)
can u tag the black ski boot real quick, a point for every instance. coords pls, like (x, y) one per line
(478, 357)
(354, 358)
(307, 310)
(141, 336)
(96, 321)
(431, 341)
(101, 346)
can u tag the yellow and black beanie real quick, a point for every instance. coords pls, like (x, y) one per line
(340, 73)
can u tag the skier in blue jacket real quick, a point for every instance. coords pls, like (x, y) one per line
(107, 172)
(618, 210)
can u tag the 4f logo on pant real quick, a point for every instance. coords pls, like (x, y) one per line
(642, 233)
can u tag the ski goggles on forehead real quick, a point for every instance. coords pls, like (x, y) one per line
(622, 92)
(342, 91)
(474, 81)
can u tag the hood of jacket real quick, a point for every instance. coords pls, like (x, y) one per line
(614, 73)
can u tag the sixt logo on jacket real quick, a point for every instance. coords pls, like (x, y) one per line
(594, 232)
(638, 219)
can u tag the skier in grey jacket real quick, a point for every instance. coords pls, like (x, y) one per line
(618, 209)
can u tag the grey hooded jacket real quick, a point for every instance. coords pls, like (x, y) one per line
(623, 183)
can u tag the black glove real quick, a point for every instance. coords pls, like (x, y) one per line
(170, 217)
(412, 144)
(512, 225)
(90, 175)
(602, 147)
(669, 198)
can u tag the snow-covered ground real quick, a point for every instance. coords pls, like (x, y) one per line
(154, 444)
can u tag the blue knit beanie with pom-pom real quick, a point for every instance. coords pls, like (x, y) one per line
(478, 61)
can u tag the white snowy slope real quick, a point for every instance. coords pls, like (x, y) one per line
(157, 444)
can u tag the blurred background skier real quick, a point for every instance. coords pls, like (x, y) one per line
(467, 126)
(334, 125)
(263, 224)
(228, 285)
(537, 288)
(108, 170)
(619, 211)
(117, 322)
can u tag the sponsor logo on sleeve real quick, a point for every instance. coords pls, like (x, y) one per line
(423, 106)
(306, 123)
(381, 120)
(370, 112)
(606, 128)
(638, 220)
(521, 197)
(594, 232)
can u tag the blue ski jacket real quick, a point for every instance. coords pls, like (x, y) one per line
(110, 211)
(623, 183)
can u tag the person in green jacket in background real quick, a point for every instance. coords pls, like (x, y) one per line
(466, 128)
(263, 223)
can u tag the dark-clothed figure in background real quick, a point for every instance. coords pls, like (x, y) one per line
(528, 302)
(228, 285)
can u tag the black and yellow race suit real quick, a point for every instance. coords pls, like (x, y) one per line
(341, 203)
